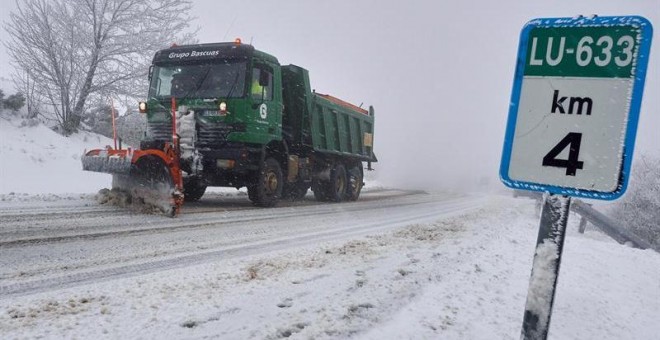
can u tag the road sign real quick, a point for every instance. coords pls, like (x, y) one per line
(575, 105)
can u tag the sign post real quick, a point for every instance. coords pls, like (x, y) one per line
(545, 270)
(571, 129)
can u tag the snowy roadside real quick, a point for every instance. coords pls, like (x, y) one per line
(36, 160)
(463, 277)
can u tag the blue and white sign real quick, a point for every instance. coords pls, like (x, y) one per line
(575, 105)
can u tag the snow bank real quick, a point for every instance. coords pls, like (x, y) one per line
(36, 160)
(462, 277)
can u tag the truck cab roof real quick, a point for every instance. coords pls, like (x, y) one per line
(209, 52)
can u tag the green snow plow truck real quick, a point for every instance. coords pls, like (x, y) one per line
(232, 116)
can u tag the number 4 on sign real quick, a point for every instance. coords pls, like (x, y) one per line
(572, 164)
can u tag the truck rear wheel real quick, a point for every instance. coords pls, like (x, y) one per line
(355, 182)
(267, 189)
(336, 188)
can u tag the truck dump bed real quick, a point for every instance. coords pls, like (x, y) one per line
(327, 124)
(341, 128)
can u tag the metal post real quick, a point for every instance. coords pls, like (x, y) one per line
(583, 225)
(114, 126)
(545, 270)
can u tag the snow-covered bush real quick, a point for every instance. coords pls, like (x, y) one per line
(131, 128)
(30, 122)
(14, 102)
(639, 209)
(99, 120)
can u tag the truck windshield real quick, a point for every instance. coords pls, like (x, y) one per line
(219, 80)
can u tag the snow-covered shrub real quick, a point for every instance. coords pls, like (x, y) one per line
(639, 209)
(99, 120)
(131, 128)
(30, 122)
(14, 102)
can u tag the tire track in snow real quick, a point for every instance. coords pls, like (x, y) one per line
(429, 212)
(86, 224)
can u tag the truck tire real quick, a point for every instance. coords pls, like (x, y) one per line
(267, 188)
(337, 186)
(355, 182)
(193, 190)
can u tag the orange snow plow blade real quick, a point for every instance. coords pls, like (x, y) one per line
(149, 176)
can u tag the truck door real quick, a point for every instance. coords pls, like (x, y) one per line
(266, 101)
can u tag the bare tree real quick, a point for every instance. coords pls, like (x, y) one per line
(639, 209)
(72, 50)
(33, 99)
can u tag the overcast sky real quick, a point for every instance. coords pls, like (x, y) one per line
(439, 73)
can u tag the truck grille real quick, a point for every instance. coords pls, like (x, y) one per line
(159, 130)
(212, 134)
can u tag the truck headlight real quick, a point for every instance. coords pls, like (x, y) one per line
(223, 108)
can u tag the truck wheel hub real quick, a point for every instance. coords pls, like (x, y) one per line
(271, 182)
(340, 185)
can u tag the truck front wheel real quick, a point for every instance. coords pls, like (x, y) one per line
(193, 190)
(267, 188)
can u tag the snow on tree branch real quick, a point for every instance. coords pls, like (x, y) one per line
(68, 51)
(639, 209)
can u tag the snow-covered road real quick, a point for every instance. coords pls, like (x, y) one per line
(46, 246)
(395, 265)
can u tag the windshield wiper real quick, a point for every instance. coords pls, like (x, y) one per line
(233, 85)
(198, 85)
